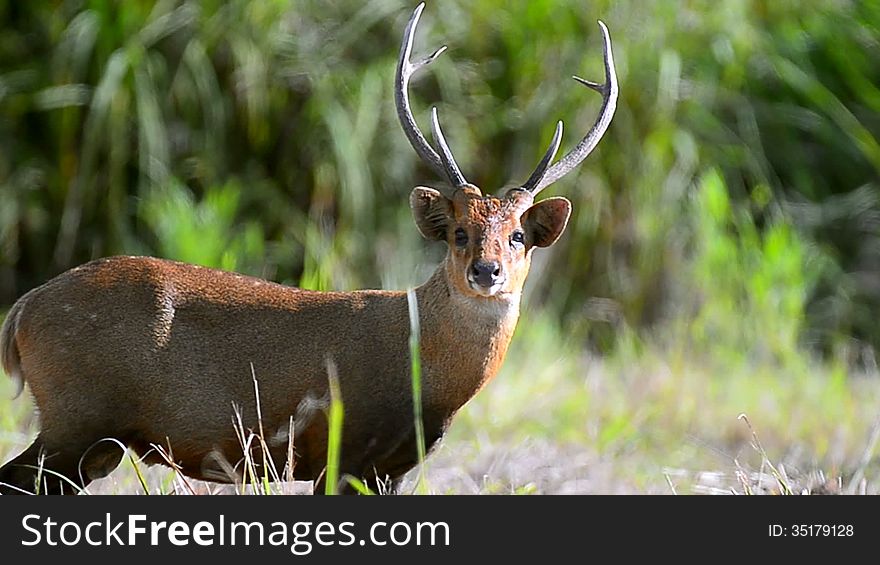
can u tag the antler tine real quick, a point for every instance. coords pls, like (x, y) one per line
(541, 169)
(450, 166)
(609, 91)
(405, 69)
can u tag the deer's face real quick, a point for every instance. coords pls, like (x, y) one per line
(490, 239)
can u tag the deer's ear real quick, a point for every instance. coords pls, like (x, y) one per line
(545, 221)
(431, 211)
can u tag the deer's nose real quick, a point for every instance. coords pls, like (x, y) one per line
(486, 273)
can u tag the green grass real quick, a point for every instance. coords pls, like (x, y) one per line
(335, 419)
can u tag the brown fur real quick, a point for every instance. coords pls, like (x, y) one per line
(150, 351)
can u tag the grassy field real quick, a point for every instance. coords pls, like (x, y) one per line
(651, 420)
(658, 421)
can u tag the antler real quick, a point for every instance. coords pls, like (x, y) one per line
(449, 164)
(544, 177)
(445, 165)
(541, 169)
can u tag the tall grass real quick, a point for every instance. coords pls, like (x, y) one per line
(273, 125)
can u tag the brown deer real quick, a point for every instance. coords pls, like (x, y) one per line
(156, 353)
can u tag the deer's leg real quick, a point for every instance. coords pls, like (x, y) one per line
(58, 467)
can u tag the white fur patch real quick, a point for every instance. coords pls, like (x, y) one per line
(164, 317)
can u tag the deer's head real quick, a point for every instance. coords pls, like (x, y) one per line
(491, 238)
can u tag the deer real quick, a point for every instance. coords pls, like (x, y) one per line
(151, 352)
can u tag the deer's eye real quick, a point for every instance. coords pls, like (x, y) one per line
(461, 237)
(517, 238)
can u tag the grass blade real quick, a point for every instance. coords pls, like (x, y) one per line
(334, 431)
(416, 374)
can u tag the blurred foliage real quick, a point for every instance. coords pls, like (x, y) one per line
(736, 190)
(204, 233)
(750, 286)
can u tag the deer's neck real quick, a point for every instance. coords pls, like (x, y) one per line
(463, 340)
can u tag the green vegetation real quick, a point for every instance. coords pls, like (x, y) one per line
(722, 258)
(335, 416)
